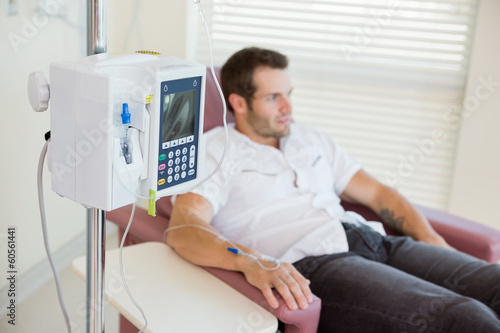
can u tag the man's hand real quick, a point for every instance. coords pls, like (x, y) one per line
(289, 283)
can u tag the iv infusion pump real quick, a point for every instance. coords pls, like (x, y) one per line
(123, 125)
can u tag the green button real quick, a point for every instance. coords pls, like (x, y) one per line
(162, 157)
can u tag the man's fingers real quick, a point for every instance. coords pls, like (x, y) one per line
(285, 291)
(269, 296)
(304, 285)
(299, 289)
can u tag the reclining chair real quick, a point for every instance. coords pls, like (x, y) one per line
(470, 237)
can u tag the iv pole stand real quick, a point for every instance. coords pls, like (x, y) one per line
(96, 218)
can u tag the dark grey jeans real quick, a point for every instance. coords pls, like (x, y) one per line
(395, 284)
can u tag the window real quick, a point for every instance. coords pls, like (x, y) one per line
(385, 78)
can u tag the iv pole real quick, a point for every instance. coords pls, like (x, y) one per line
(96, 218)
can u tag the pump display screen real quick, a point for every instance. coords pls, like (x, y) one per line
(179, 123)
(178, 113)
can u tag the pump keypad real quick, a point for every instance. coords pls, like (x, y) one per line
(177, 164)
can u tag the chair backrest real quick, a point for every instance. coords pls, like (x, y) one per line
(213, 103)
(212, 118)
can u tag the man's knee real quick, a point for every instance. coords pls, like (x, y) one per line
(454, 314)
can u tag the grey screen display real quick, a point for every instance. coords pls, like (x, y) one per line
(178, 115)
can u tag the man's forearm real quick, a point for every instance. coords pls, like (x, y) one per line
(394, 210)
(202, 245)
(401, 216)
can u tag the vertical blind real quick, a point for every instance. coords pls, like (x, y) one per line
(385, 78)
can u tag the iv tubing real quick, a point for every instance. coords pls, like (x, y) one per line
(41, 203)
(219, 89)
(122, 274)
(234, 248)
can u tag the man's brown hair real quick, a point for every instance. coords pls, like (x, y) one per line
(237, 72)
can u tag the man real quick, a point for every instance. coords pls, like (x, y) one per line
(278, 193)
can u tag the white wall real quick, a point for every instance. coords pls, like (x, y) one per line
(476, 185)
(37, 42)
(30, 42)
(147, 25)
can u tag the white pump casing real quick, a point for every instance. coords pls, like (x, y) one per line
(86, 99)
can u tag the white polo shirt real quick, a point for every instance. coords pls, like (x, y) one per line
(283, 203)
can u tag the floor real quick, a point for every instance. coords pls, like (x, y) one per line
(42, 313)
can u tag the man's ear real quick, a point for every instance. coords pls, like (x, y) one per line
(238, 103)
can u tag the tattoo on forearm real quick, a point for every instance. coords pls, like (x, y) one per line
(396, 223)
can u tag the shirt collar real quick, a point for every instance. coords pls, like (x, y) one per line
(240, 138)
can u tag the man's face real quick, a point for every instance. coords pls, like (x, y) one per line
(270, 113)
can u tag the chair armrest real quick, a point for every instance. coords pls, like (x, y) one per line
(476, 239)
(303, 321)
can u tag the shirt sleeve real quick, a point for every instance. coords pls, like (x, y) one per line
(344, 167)
(216, 188)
